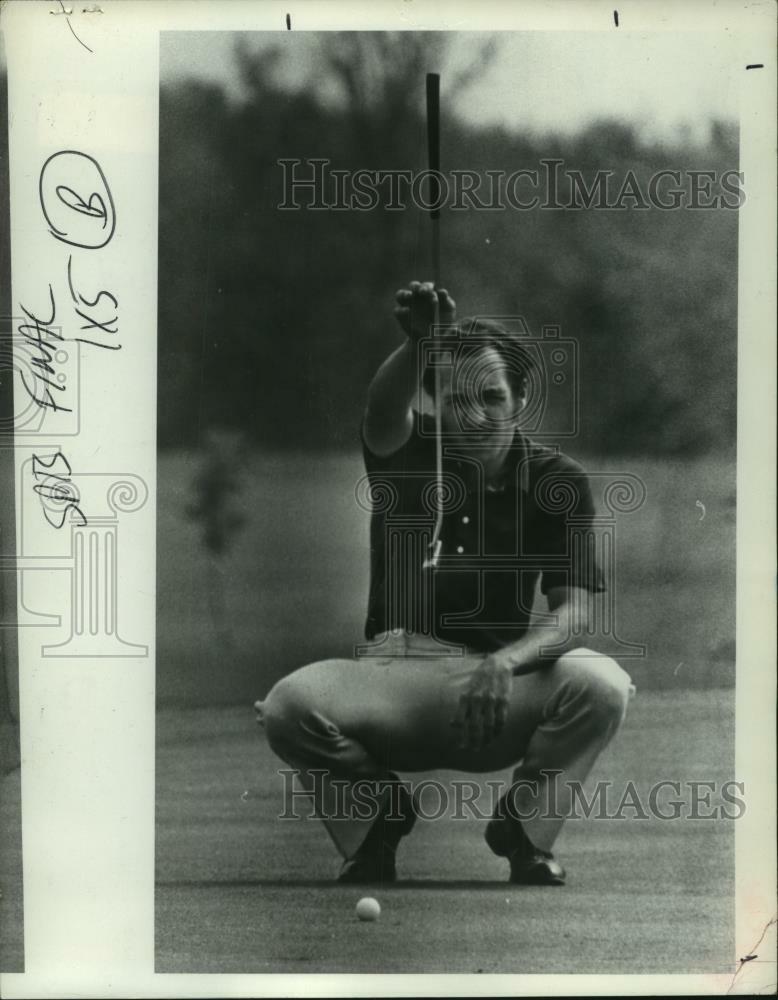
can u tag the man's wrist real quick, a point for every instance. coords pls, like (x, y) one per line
(512, 658)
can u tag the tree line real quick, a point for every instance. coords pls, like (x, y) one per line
(274, 321)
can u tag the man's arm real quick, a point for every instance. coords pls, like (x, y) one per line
(388, 415)
(483, 708)
(572, 606)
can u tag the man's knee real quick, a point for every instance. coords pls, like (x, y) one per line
(290, 703)
(278, 712)
(605, 685)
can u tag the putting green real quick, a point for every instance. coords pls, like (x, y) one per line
(239, 891)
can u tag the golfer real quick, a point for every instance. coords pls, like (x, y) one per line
(456, 673)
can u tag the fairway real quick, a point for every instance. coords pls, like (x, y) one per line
(240, 891)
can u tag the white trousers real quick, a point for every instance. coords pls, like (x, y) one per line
(357, 719)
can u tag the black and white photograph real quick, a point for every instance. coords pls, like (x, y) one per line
(446, 427)
(387, 499)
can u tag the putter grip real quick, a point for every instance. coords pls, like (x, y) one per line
(433, 140)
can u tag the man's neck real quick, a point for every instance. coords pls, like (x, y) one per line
(495, 469)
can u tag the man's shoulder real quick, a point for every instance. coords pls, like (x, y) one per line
(545, 459)
(558, 482)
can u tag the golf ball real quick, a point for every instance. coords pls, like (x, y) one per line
(368, 909)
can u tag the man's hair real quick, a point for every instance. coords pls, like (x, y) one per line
(472, 335)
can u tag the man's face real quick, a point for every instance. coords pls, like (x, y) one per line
(478, 405)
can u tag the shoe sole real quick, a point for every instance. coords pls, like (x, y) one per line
(537, 880)
(498, 840)
(368, 879)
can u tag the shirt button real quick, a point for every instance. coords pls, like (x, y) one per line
(465, 519)
(460, 549)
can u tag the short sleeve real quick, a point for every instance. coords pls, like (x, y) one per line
(566, 517)
(417, 452)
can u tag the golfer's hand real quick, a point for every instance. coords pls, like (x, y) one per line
(483, 707)
(415, 309)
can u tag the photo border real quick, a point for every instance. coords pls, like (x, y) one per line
(87, 734)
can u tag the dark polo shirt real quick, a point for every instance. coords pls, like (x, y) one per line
(496, 546)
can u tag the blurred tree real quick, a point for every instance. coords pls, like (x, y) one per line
(195, 200)
(380, 75)
(216, 489)
(274, 321)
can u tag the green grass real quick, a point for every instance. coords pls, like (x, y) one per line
(296, 581)
(240, 891)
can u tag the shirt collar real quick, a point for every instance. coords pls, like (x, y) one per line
(516, 469)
